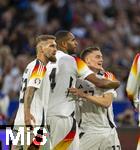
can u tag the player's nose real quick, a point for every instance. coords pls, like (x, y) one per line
(54, 51)
(101, 59)
(76, 43)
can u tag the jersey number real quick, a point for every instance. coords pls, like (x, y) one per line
(52, 79)
(24, 85)
(86, 91)
(116, 147)
(53, 82)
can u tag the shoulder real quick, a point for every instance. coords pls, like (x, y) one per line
(136, 58)
(137, 55)
(35, 66)
(32, 64)
(79, 61)
(35, 63)
(63, 57)
(60, 54)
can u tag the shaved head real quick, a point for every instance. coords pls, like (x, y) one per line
(61, 35)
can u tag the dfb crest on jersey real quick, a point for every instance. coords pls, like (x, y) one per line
(37, 81)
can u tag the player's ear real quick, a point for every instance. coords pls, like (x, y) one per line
(40, 48)
(64, 44)
(87, 60)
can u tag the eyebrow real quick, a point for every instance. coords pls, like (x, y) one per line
(100, 55)
(52, 44)
(73, 39)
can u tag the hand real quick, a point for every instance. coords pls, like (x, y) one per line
(77, 92)
(109, 75)
(28, 117)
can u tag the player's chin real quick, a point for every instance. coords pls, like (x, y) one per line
(75, 49)
(52, 59)
(99, 67)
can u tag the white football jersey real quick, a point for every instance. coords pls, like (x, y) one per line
(34, 76)
(133, 84)
(63, 75)
(92, 116)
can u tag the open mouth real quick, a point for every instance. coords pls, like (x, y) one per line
(99, 64)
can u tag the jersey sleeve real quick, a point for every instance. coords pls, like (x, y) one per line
(109, 76)
(37, 74)
(82, 68)
(112, 91)
(132, 87)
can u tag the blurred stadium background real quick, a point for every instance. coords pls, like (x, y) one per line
(114, 25)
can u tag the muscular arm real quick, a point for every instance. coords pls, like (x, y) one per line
(103, 100)
(103, 83)
(29, 93)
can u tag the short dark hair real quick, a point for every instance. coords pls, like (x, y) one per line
(44, 37)
(87, 51)
(61, 35)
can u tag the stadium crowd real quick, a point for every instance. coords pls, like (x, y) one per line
(114, 25)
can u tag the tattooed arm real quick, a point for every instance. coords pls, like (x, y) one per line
(29, 93)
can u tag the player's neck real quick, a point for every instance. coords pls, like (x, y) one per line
(95, 70)
(43, 59)
(63, 49)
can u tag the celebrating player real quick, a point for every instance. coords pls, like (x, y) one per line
(97, 125)
(35, 88)
(133, 87)
(63, 75)
(133, 83)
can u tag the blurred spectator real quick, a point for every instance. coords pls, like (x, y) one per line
(4, 104)
(126, 119)
(8, 81)
(53, 11)
(66, 15)
(40, 8)
(13, 75)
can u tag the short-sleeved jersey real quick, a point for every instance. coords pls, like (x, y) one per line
(133, 83)
(92, 116)
(62, 75)
(34, 76)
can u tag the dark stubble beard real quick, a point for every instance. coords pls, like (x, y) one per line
(52, 59)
